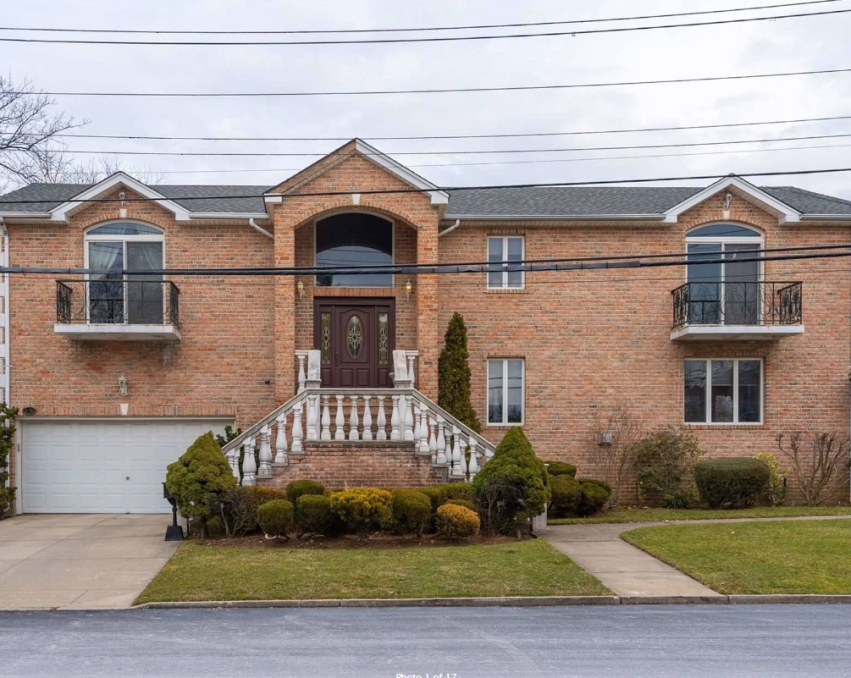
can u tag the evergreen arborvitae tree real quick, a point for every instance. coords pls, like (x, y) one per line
(453, 385)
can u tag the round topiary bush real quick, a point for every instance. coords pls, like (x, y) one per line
(276, 518)
(411, 511)
(314, 516)
(466, 503)
(593, 496)
(457, 522)
(200, 479)
(731, 482)
(362, 508)
(565, 495)
(596, 481)
(297, 488)
(560, 468)
(455, 491)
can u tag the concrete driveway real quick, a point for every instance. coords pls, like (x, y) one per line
(80, 561)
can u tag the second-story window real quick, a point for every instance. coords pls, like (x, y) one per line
(351, 240)
(114, 297)
(502, 252)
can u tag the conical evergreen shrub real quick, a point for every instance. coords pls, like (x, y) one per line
(453, 383)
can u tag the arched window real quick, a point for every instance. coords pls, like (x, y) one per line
(723, 289)
(114, 297)
(354, 239)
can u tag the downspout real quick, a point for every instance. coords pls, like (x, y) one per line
(450, 229)
(260, 229)
(4, 352)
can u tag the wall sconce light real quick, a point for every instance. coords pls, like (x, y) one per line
(727, 200)
(122, 211)
(409, 287)
(122, 385)
(300, 289)
(604, 437)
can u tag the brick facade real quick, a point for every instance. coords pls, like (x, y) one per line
(591, 340)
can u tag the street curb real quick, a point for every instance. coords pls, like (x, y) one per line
(545, 601)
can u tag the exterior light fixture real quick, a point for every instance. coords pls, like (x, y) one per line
(409, 287)
(122, 211)
(122, 385)
(727, 200)
(300, 288)
(604, 438)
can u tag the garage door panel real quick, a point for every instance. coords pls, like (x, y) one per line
(103, 466)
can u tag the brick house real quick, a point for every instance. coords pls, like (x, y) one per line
(334, 376)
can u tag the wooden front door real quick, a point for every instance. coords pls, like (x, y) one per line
(356, 338)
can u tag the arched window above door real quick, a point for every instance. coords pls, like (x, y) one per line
(354, 239)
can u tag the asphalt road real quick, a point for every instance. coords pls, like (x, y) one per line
(603, 642)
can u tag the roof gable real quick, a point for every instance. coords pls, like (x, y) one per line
(744, 189)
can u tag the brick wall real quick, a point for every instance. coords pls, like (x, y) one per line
(342, 465)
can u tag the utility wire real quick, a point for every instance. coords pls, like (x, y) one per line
(379, 41)
(439, 90)
(398, 191)
(528, 162)
(142, 137)
(415, 29)
(513, 151)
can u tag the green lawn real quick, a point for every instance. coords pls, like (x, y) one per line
(529, 568)
(651, 515)
(812, 556)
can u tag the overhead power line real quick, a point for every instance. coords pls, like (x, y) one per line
(437, 90)
(513, 151)
(413, 29)
(398, 191)
(424, 137)
(380, 41)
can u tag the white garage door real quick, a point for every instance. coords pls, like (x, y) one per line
(106, 466)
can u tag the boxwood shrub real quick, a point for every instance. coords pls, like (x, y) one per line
(362, 508)
(731, 482)
(298, 488)
(457, 522)
(565, 495)
(411, 511)
(276, 518)
(314, 516)
(593, 495)
(560, 468)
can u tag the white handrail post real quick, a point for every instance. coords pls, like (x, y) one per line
(249, 465)
(312, 417)
(409, 416)
(232, 456)
(423, 431)
(326, 418)
(411, 373)
(353, 420)
(432, 438)
(441, 440)
(298, 432)
(302, 357)
(265, 469)
(395, 433)
(367, 419)
(281, 440)
(456, 451)
(340, 420)
(382, 420)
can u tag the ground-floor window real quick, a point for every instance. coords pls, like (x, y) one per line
(505, 390)
(723, 391)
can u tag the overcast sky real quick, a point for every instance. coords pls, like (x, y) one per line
(784, 45)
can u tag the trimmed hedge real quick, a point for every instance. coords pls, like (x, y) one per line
(595, 481)
(731, 482)
(297, 488)
(457, 522)
(276, 517)
(566, 494)
(560, 468)
(593, 496)
(362, 508)
(455, 491)
(411, 511)
(314, 516)
(466, 503)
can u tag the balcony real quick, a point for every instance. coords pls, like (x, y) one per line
(750, 311)
(118, 310)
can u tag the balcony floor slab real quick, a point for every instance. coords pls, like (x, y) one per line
(735, 332)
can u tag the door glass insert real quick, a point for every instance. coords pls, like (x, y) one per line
(106, 290)
(145, 292)
(354, 336)
(383, 338)
(325, 328)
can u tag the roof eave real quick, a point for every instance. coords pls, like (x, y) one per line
(556, 217)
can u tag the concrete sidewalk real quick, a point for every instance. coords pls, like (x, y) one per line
(80, 561)
(628, 571)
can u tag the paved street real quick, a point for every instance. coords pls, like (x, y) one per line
(658, 641)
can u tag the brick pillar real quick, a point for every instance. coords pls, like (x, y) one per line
(428, 323)
(285, 386)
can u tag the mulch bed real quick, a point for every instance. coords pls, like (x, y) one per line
(375, 541)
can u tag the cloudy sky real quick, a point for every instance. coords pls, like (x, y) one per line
(758, 47)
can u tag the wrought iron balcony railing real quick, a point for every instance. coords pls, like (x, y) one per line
(737, 303)
(118, 302)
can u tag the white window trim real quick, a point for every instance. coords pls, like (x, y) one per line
(505, 423)
(708, 412)
(504, 284)
(392, 223)
(124, 239)
(723, 240)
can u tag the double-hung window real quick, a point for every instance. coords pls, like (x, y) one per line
(506, 391)
(502, 252)
(723, 391)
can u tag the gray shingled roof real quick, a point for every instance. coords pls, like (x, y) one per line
(506, 202)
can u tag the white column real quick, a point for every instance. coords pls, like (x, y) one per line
(432, 438)
(395, 433)
(298, 432)
(265, 453)
(367, 419)
(462, 469)
(474, 459)
(456, 451)
(301, 376)
(407, 403)
(340, 420)
(423, 431)
(249, 465)
(281, 440)
(233, 459)
(326, 418)
(312, 417)
(382, 420)
(353, 420)
(411, 371)
(441, 441)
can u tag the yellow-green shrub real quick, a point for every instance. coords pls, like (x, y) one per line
(362, 508)
(457, 522)
(411, 511)
(276, 517)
